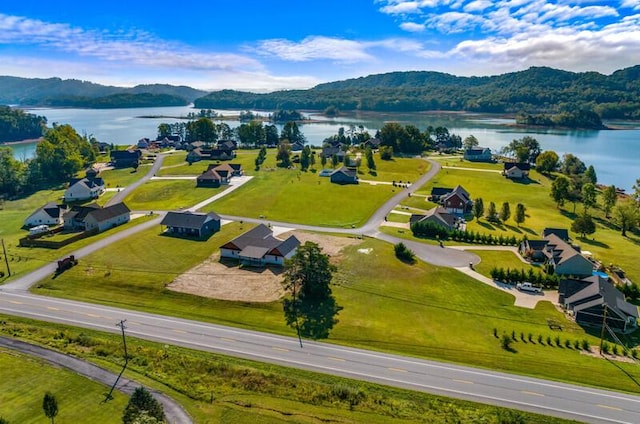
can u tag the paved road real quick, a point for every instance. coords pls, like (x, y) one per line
(174, 413)
(525, 393)
(128, 189)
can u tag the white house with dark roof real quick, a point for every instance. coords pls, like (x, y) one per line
(93, 217)
(344, 175)
(477, 154)
(258, 247)
(49, 214)
(84, 189)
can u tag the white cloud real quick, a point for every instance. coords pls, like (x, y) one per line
(452, 22)
(412, 27)
(401, 8)
(477, 6)
(134, 47)
(632, 4)
(316, 48)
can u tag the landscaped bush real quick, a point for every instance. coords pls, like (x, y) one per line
(404, 253)
(432, 230)
(513, 276)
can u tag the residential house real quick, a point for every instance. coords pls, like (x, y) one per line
(196, 145)
(191, 223)
(196, 155)
(258, 247)
(125, 158)
(143, 143)
(477, 154)
(297, 146)
(86, 188)
(344, 175)
(373, 143)
(437, 215)
(438, 192)
(227, 145)
(93, 217)
(458, 201)
(209, 178)
(516, 170)
(594, 299)
(563, 233)
(557, 253)
(215, 175)
(220, 154)
(49, 214)
(329, 151)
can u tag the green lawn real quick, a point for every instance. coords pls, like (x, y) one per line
(27, 259)
(214, 388)
(606, 244)
(396, 169)
(418, 310)
(303, 197)
(168, 195)
(25, 380)
(114, 178)
(500, 259)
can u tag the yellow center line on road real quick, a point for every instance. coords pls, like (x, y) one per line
(175, 330)
(615, 408)
(15, 302)
(526, 392)
(462, 381)
(226, 339)
(51, 308)
(92, 315)
(279, 348)
(336, 359)
(397, 369)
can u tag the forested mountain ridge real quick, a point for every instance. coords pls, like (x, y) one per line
(535, 90)
(51, 91)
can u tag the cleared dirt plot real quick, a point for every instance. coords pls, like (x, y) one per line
(226, 280)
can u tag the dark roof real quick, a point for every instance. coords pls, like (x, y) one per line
(227, 145)
(88, 182)
(440, 214)
(125, 154)
(520, 165)
(563, 233)
(261, 239)
(52, 209)
(440, 191)
(375, 142)
(345, 171)
(209, 175)
(600, 292)
(103, 214)
(193, 220)
(537, 244)
(560, 249)
(236, 166)
(476, 151)
(80, 212)
(328, 151)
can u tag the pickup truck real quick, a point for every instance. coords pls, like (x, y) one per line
(528, 287)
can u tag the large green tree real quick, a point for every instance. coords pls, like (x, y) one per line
(62, 153)
(547, 162)
(252, 133)
(311, 309)
(164, 130)
(202, 129)
(292, 133)
(142, 401)
(583, 225)
(589, 196)
(609, 198)
(626, 215)
(525, 149)
(560, 190)
(470, 142)
(13, 173)
(521, 214)
(572, 165)
(478, 208)
(505, 212)
(283, 156)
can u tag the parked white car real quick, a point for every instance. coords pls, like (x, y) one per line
(528, 287)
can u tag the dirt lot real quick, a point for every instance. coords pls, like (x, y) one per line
(227, 281)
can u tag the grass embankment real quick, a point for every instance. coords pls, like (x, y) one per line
(25, 380)
(418, 310)
(26, 259)
(606, 244)
(215, 388)
(500, 259)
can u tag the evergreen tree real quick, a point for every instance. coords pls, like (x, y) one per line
(583, 225)
(520, 215)
(609, 198)
(371, 163)
(492, 213)
(50, 406)
(560, 189)
(590, 175)
(505, 212)
(284, 155)
(142, 401)
(478, 208)
(588, 196)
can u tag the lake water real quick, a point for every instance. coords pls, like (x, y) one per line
(615, 154)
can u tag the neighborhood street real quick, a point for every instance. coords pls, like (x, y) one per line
(536, 395)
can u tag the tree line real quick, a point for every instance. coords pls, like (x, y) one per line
(16, 124)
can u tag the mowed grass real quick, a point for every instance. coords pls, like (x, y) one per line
(418, 310)
(122, 177)
(26, 259)
(303, 197)
(25, 380)
(168, 195)
(606, 244)
(490, 259)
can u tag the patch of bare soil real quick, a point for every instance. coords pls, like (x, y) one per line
(228, 281)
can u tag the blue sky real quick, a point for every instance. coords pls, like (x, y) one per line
(286, 44)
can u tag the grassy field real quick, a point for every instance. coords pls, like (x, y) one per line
(115, 178)
(606, 244)
(388, 306)
(25, 259)
(500, 259)
(168, 195)
(215, 388)
(293, 196)
(25, 380)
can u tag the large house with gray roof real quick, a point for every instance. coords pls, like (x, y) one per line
(258, 247)
(193, 224)
(93, 217)
(557, 253)
(438, 215)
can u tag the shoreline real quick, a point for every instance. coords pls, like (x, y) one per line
(27, 141)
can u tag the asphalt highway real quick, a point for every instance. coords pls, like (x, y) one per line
(525, 393)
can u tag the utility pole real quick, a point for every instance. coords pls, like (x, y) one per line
(604, 324)
(126, 361)
(6, 258)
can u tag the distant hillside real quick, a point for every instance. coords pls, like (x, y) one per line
(536, 90)
(49, 91)
(121, 100)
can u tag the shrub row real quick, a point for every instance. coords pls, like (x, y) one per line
(514, 276)
(432, 230)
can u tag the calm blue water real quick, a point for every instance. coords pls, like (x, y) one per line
(614, 154)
